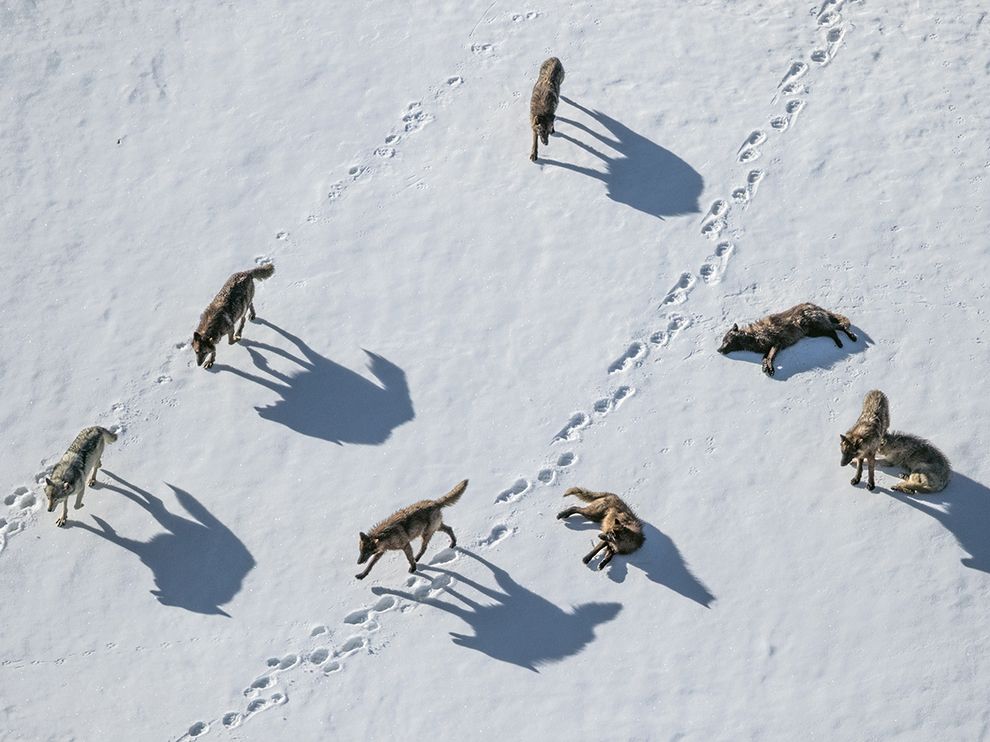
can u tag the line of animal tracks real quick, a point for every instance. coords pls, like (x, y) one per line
(328, 648)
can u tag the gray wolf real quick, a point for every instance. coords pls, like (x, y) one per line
(419, 520)
(77, 468)
(234, 303)
(622, 532)
(543, 104)
(772, 334)
(926, 468)
(866, 437)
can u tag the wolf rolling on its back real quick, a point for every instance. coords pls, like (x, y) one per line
(543, 104)
(866, 437)
(421, 519)
(76, 469)
(927, 469)
(772, 334)
(234, 303)
(622, 532)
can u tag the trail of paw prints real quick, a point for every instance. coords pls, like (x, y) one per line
(713, 268)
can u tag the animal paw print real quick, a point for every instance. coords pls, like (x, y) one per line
(714, 267)
(632, 357)
(715, 220)
(499, 533)
(517, 490)
(569, 432)
(748, 151)
(679, 293)
(612, 402)
(483, 50)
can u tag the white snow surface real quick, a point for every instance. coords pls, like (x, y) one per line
(443, 309)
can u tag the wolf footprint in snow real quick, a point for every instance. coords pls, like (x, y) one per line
(796, 71)
(351, 646)
(356, 617)
(443, 556)
(628, 359)
(519, 487)
(198, 729)
(679, 293)
(483, 49)
(780, 123)
(332, 667)
(498, 533)
(569, 432)
(675, 323)
(319, 655)
(232, 720)
(566, 459)
(714, 267)
(546, 476)
(607, 404)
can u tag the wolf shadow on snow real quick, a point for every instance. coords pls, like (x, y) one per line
(519, 626)
(962, 508)
(658, 557)
(198, 563)
(641, 173)
(807, 354)
(326, 400)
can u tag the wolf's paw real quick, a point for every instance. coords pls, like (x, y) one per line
(412, 569)
(361, 577)
(854, 481)
(870, 486)
(768, 368)
(562, 514)
(586, 559)
(78, 507)
(61, 521)
(532, 158)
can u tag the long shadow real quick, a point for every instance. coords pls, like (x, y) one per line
(198, 564)
(966, 515)
(660, 560)
(519, 627)
(326, 400)
(640, 173)
(807, 354)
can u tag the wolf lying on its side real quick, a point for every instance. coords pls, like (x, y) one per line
(76, 469)
(772, 334)
(234, 303)
(622, 533)
(421, 519)
(863, 440)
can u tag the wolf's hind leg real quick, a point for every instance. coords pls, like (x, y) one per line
(240, 330)
(79, 497)
(591, 554)
(251, 313)
(835, 337)
(851, 335)
(870, 480)
(533, 151)
(450, 532)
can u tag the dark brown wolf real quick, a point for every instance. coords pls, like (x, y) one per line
(543, 104)
(234, 303)
(622, 532)
(772, 334)
(419, 520)
(866, 437)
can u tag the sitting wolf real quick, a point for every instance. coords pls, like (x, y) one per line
(76, 469)
(927, 469)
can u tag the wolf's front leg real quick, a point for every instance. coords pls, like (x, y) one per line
(65, 513)
(533, 151)
(607, 559)
(409, 555)
(427, 535)
(591, 555)
(208, 363)
(240, 330)
(870, 481)
(850, 334)
(79, 497)
(835, 338)
(859, 472)
(374, 561)
(450, 532)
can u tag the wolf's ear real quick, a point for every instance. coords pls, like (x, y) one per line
(364, 536)
(49, 482)
(197, 337)
(735, 326)
(844, 439)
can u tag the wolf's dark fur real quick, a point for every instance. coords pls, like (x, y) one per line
(622, 532)
(543, 104)
(863, 440)
(419, 520)
(772, 334)
(234, 303)
(927, 469)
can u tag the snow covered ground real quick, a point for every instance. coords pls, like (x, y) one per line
(442, 308)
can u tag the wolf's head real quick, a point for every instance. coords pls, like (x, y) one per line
(202, 346)
(543, 125)
(849, 447)
(56, 492)
(735, 339)
(368, 547)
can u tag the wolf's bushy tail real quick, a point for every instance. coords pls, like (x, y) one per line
(583, 494)
(263, 271)
(454, 495)
(108, 436)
